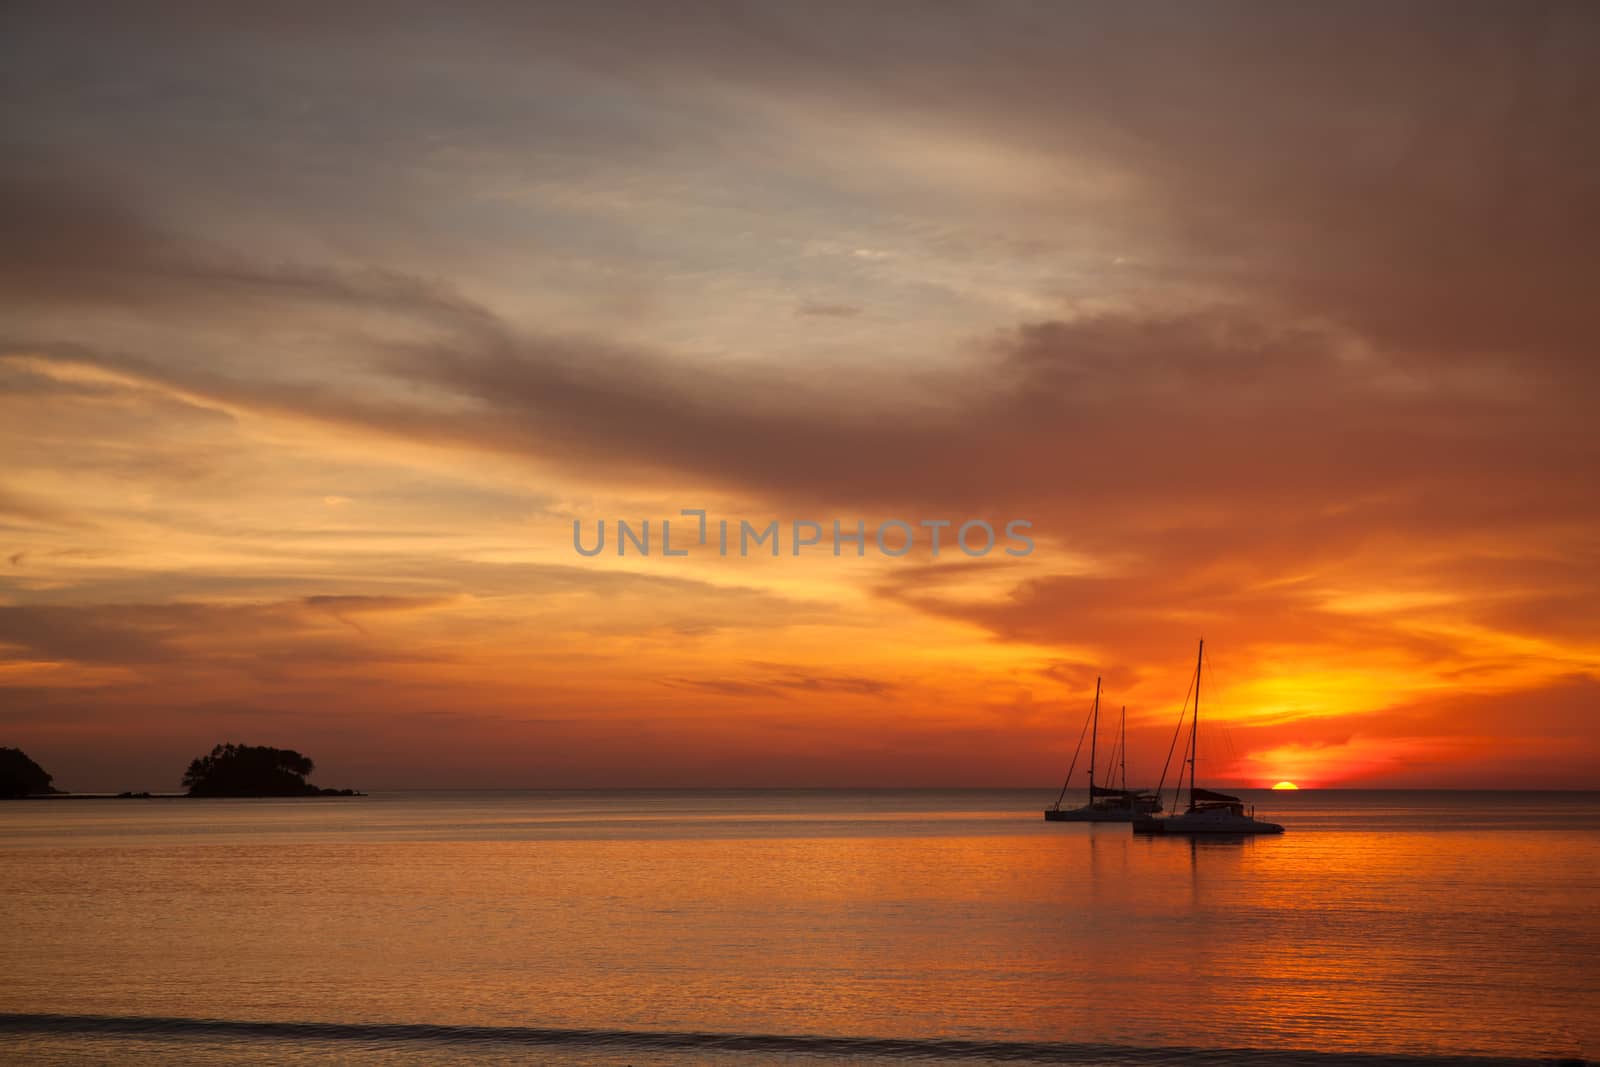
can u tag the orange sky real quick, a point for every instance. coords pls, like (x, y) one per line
(318, 336)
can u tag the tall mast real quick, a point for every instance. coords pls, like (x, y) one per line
(1095, 736)
(1124, 744)
(1194, 724)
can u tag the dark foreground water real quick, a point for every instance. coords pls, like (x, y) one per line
(739, 927)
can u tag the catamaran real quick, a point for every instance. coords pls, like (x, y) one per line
(1208, 812)
(1105, 805)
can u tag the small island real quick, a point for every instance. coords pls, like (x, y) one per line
(21, 777)
(254, 771)
(228, 771)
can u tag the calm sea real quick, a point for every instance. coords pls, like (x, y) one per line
(794, 926)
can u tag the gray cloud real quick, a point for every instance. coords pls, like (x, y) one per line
(170, 632)
(778, 681)
(821, 309)
(1350, 330)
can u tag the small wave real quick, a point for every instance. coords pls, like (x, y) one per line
(929, 1049)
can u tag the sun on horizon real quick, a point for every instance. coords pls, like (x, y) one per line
(1285, 785)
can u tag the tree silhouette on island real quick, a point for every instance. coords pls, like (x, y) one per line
(254, 771)
(21, 777)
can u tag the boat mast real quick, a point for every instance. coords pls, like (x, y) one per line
(1094, 737)
(1194, 723)
(1124, 744)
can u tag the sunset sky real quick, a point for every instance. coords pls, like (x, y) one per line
(1278, 322)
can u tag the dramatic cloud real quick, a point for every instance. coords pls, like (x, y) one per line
(1275, 321)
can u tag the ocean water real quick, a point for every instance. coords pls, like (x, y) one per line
(795, 926)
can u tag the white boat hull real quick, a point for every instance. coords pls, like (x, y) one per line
(1225, 823)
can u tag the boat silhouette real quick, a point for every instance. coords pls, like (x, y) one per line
(1105, 804)
(1209, 812)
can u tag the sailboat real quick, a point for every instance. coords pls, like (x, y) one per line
(1209, 812)
(1105, 805)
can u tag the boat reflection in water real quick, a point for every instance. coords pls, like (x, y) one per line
(1209, 813)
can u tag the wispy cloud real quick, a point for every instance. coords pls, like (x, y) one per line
(1275, 323)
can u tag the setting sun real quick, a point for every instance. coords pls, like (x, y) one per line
(1286, 785)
